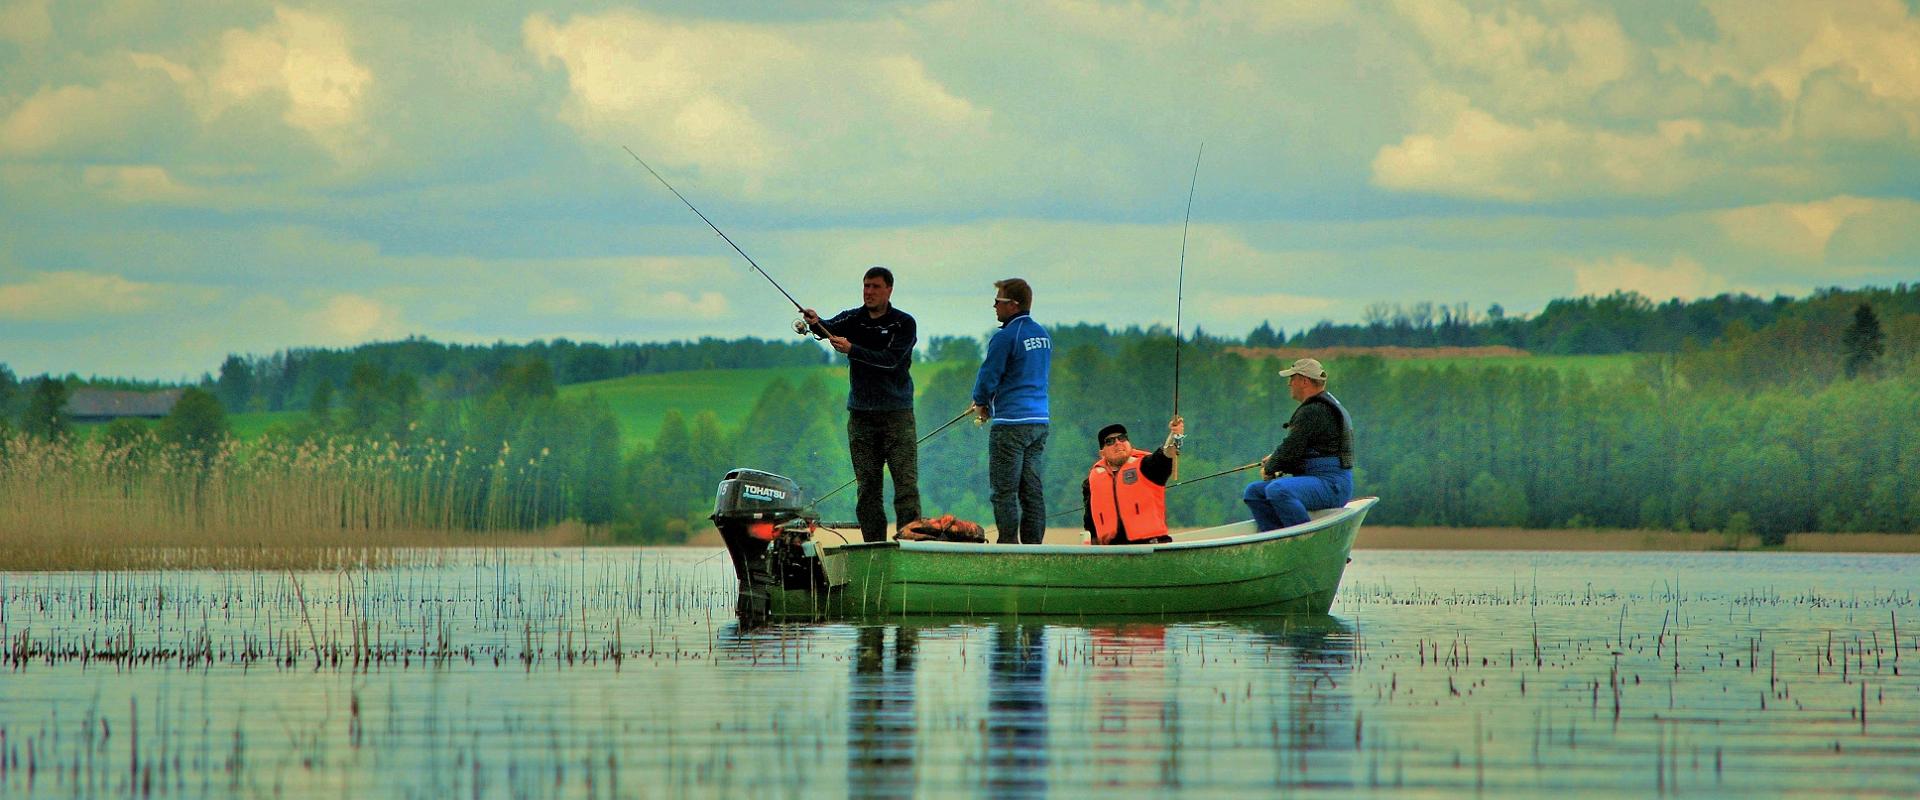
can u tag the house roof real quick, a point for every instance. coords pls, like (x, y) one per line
(106, 403)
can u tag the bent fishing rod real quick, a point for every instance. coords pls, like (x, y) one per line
(1180, 288)
(1174, 485)
(716, 229)
(935, 432)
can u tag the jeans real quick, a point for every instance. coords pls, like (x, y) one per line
(1015, 455)
(878, 439)
(1282, 502)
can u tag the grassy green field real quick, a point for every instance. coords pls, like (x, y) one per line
(640, 402)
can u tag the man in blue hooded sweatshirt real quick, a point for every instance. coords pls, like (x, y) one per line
(1011, 391)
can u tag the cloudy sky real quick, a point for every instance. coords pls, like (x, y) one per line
(176, 185)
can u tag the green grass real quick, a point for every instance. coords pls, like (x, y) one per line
(251, 424)
(640, 402)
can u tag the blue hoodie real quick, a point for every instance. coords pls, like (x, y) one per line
(1013, 378)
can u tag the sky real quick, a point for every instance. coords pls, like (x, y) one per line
(179, 182)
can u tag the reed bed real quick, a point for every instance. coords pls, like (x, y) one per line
(264, 504)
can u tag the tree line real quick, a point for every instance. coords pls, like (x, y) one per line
(1622, 322)
(1799, 424)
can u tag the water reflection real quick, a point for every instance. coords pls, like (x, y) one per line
(882, 734)
(1137, 706)
(1017, 711)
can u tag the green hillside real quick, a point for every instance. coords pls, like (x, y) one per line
(640, 402)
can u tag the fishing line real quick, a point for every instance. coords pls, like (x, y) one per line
(917, 443)
(1241, 468)
(716, 229)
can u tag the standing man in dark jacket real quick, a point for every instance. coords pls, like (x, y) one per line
(1317, 455)
(1011, 390)
(878, 340)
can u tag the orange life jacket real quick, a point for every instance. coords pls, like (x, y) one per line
(1125, 496)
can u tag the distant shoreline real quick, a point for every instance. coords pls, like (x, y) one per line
(1389, 537)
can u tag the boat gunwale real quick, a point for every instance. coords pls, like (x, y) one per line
(1353, 508)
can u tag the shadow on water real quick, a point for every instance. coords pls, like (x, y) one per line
(1133, 705)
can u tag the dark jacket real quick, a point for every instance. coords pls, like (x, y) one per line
(882, 355)
(1320, 427)
(1157, 467)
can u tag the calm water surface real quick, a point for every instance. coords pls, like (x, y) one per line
(621, 673)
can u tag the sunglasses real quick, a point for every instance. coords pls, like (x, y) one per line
(999, 300)
(1113, 439)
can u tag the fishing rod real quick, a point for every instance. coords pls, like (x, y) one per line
(1241, 468)
(716, 229)
(1180, 293)
(935, 432)
(1180, 288)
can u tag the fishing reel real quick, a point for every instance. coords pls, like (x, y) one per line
(801, 327)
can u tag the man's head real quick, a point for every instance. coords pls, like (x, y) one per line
(1012, 297)
(1114, 447)
(1305, 379)
(876, 288)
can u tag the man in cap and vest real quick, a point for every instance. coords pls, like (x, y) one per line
(1316, 459)
(1125, 492)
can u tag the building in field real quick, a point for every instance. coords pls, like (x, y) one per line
(105, 405)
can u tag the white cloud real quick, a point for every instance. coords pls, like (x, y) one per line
(1474, 154)
(1800, 230)
(300, 58)
(741, 100)
(72, 295)
(67, 118)
(1525, 61)
(1683, 278)
(677, 305)
(1786, 46)
(559, 304)
(136, 184)
(351, 318)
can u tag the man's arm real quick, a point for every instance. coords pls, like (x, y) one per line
(898, 354)
(1157, 467)
(838, 325)
(993, 368)
(1310, 421)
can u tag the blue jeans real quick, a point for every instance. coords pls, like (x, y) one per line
(1281, 502)
(1015, 455)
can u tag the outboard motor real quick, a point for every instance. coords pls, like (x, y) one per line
(763, 519)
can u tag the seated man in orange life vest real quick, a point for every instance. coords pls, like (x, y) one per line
(1126, 489)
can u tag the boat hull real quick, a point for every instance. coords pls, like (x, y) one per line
(1225, 571)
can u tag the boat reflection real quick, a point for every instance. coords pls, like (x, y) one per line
(1136, 705)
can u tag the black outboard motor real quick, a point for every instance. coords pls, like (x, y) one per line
(763, 519)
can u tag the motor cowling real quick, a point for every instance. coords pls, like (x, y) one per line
(751, 495)
(762, 518)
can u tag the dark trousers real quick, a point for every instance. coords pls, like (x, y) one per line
(879, 439)
(1015, 455)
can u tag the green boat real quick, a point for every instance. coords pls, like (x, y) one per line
(1230, 570)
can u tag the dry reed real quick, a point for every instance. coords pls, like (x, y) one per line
(266, 504)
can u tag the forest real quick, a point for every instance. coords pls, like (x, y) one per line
(1800, 419)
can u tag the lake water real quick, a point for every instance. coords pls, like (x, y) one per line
(621, 673)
